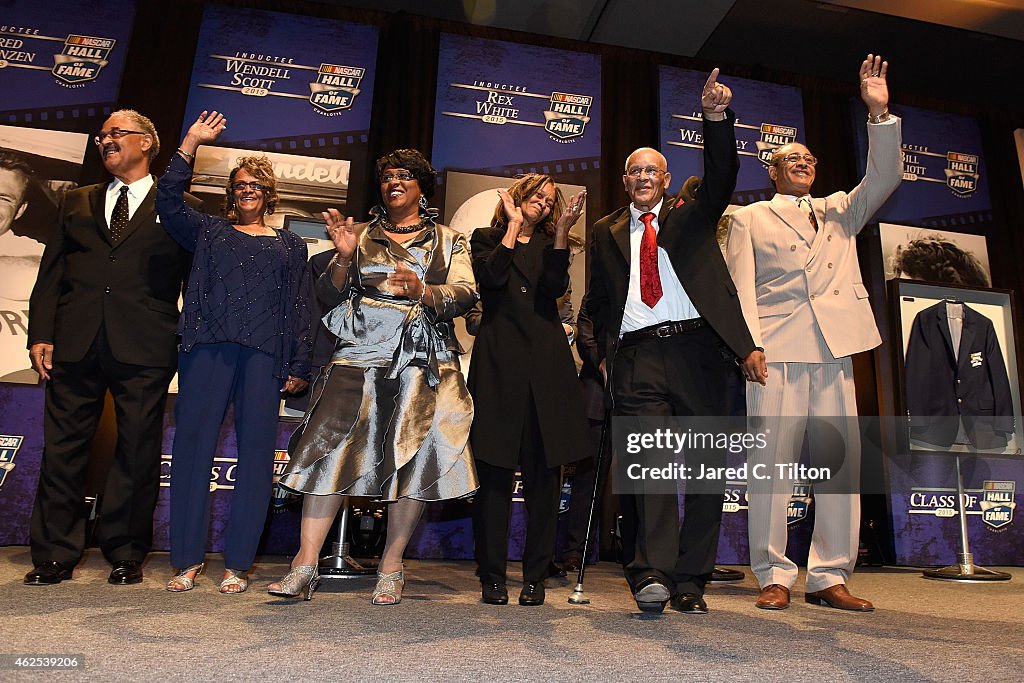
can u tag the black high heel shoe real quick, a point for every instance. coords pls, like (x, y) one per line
(302, 579)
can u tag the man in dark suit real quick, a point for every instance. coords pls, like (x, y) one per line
(103, 316)
(669, 327)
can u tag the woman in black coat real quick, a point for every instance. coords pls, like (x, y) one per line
(527, 399)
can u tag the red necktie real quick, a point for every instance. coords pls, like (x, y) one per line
(650, 279)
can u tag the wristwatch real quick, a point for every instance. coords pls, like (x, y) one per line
(881, 118)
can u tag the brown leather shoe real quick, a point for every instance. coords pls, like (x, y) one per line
(838, 597)
(773, 596)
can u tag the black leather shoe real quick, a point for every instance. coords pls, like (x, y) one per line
(572, 564)
(126, 572)
(651, 595)
(47, 574)
(494, 594)
(723, 575)
(555, 570)
(532, 594)
(689, 603)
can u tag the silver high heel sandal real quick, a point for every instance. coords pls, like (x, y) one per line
(302, 579)
(389, 588)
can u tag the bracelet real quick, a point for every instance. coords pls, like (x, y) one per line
(188, 157)
(881, 118)
(337, 263)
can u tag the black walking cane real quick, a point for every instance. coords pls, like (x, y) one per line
(577, 597)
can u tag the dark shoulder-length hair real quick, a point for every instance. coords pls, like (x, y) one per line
(262, 170)
(522, 189)
(411, 160)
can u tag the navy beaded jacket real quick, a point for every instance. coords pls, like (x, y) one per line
(245, 289)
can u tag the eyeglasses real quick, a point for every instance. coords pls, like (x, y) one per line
(650, 171)
(114, 134)
(241, 186)
(795, 158)
(404, 176)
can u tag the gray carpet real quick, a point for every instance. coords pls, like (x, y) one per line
(922, 630)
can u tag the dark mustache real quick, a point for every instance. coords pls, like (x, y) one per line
(110, 146)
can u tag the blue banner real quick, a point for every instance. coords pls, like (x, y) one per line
(768, 116)
(287, 83)
(945, 182)
(57, 65)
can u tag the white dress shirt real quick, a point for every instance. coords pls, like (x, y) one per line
(674, 304)
(137, 191)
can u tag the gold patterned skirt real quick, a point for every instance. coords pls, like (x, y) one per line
(367, 435)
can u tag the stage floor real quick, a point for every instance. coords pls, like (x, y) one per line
(921, 630)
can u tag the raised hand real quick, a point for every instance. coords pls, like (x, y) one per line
(342, 232)
(570, 216)
(873, 88)
(715, 97)
(205, 130)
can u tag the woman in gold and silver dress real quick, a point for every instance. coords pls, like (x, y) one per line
(389, 417)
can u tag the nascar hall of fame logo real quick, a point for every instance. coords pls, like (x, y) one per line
(567, 115)
(772, 137)
(961, 173)
(799, 503)
(9, 446)
(82, 59)
(336, 87)
(997, 503)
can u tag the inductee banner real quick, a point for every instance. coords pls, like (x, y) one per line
(289, 84)
(285, 83)
(504, 109)
(768, 116)
(945, 184)
(54, 62)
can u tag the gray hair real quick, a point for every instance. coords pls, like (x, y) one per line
(147, 127)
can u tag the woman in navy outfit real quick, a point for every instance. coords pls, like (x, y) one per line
(244, 339)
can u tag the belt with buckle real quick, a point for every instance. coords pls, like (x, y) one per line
(663, 330)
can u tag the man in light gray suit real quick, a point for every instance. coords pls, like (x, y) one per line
(794, 262)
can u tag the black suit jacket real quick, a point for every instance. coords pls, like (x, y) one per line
(687, 233)
(131, 287)
(521, 346)
(942, 388)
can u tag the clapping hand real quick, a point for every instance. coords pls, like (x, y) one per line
(342, 232)
(715, 97)
(570, 216)
(513, 218)
(405, 282)
(873, 88)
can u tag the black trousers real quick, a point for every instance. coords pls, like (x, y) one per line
(73, 406)
(492, 509)
(684, 375)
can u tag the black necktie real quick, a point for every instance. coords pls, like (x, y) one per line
(119, 219)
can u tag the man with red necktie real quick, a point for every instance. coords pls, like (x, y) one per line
(669, 328)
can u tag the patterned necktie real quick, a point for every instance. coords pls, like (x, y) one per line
(805, 204)
(119, 219)
(650, 279)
